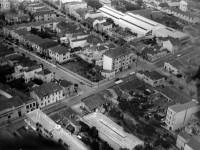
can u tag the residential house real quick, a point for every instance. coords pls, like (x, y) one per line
(170, 43)
(95, 102)
(117, 59)
(152, 78)
(47, 93)
(44, 15)
(30, 73)
(4, 5)
(17, 18)
(105, 2)
(45, 75)
(14, 104)
(186, 16)
(89, 40)
(93, 15)
(186, 142)
(33, 6)
(91, 22)
(68, 87)
(72, 6)
(102, 27)
(178, 115)
(60, 54)
(173, 3)
(175, 67)
(40, 9)
(153, 53)
(80, 13)
(94, 54)
(45, 46)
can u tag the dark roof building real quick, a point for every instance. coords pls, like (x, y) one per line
(118, 52)
(47, 89)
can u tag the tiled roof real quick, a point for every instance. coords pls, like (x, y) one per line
(60, 49)
(44, 72)
(194, 144)
(117, 91)
(21, 32)
(47, 89)
(91, 39)
(65, 83)
(34, 67)
(173, 95)
(154, 75)
(130, 85)
(41, 13)
(37, 5)
(48, 45)
(10, 103)
(177, 64)
(181, 107)
(94, 101)
(42, 9)
(185, 135)
(174, 41)
(177, 10)
(119, 51)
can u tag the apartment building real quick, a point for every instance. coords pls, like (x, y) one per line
(117, 59)
(4, 5)
(179, 115)
(59, 53)
(47, 93)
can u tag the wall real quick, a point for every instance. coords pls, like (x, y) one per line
(107, 63)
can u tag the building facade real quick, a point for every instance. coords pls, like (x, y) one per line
(179, 115)
(47, 93)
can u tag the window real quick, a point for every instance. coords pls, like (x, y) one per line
(27, 107)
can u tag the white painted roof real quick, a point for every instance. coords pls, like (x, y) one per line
(112, 130)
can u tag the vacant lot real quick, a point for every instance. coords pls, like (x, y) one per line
(84, 69)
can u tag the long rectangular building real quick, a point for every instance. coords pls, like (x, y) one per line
(111, 132)
(136, 23)
(37, 120)
(141, 25)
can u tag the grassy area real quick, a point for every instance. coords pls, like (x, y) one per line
(84, 69)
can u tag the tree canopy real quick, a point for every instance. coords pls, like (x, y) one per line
(94, 4)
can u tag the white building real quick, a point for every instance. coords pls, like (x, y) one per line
(4, 5)
(179, 115)
(47, 94)
(30, 73)
(59, 53)
(187, 142)
(111, 132)
(136, 23)
(183, 6)
(37, 120)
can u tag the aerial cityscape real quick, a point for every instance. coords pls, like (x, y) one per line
(99, 74)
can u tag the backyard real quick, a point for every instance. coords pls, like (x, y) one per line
(84, 69)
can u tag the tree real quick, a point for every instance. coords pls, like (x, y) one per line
(163, 5)
(171, 82)
(93, 132)
(94, 4)
(192, 93)
(181, 87)
(110, 20)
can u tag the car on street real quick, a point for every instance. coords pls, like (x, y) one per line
(132, 73)
(178, 55)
